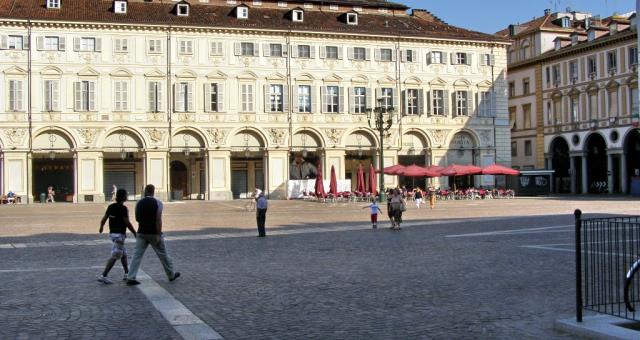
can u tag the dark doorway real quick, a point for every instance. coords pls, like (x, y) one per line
(560, 163)
(632, 154)
(597, 164)
(57, 173)
(179, 180)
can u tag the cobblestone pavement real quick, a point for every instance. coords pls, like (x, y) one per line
(463, 270)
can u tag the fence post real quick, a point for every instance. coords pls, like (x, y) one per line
(577, 213)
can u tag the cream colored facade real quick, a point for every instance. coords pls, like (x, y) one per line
(83, 120)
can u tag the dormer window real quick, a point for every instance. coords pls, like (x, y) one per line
(352, 18)
(566, 22)
(297, 15)
(182, 9)
(574, 39)
(591, 35)
(613, 28)
(242, 12)
(558, 44)
(53, 4)
(120, 7)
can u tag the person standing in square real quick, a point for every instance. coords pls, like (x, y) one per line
(375, 209)
(261, 214)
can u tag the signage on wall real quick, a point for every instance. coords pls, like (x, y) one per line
(461, 140)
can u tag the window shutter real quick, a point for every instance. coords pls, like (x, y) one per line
(492, 60)
(236, 49)
(323, 98)
(267, 100)
(77, 100)
(395, 101)
(125, 96)
(312, 51)
(352, 100)
(40, 43)
(479, 109)
(429, 58)
(349, 51)
(453, 59)
(341, 99)
(470, 108)
(296, 98)
(323, 52)
(220, 98)
(18, 91)
(427, 103)
(62, 43)
(266, 50)
(367, 54)
(3, 42)
(98, 45)
(313, 98)
(207, 97)
(256, 49)
(421, 109)
(469, 59)
(190, 96)
(445, 103)
(76, 44)
(118, 45)
(405, 103)
(25, 42)
(178, 97)
(125, 45)
(294, 51)
(285, 98)
(454, 105)
(368, 99)
(152, 96)
(444, 56)
(393, 55)
(340, 52)
(376, 54)
(483, 61)
(378, 95)
(55, 94)
(117, 98)
(403, 56)
(219, 49)
(92, 96)
(414, 56)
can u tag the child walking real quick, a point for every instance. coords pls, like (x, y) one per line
(374, 213)
(118, 216)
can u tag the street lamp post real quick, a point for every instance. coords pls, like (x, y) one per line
(381, 125)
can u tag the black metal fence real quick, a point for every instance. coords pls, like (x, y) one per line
(606, 251)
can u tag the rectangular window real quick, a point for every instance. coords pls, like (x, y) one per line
(275, 50)
(410, 56)
(359, 53)
(461, 58)
(612, 61)
(413, 106)
(634, 100)
(215, 49)
(526, 87)
(592, 66)
(247, 49)
(613, 103)
(487, 59)
(304, 51)
(121, 95)
(87, 44)
(573, 106)
(51, 95)
(360, 99)
(556, 75)
(184, 97)
(514, 149)
(15, 95)
(461, 103)
(386, 54)
(633, 55)
(593, 105)
(155, 96)
(573, 70)
(304, 98)
(557, 112)
(121, 45)
(526, 116)
(246, 94)
(84, 95)
(332, 99)
(437, 102)
(485, 104)
(212, 97)
(527, 148)
(436, 57)
(14, 42)
(386, 94)
(51, 43)
(548, 76)
(155, 46)
(185, 47)
(276, 103)
(512, 89)
(331, 52)
(53, 3)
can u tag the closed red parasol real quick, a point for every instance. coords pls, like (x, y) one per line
(496, 169)
(319, 182)
(372, 180)
(360, 187)
(333, 183)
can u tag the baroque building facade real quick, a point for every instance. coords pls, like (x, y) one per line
(573, 100)
(209, 99)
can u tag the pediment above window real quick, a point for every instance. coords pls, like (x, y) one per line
(121, 72)
(437, 82)
(360, 79)
(88, 72)
(247, 75)
(413, 81)
(386, 80)
(186, 74)
(51, 71)
(305, 77)
(15, 70)
(277, 77)
(154, 74)
(333, 78)
(217, 75)
(484, 84)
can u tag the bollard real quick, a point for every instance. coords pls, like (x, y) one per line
(577, 214)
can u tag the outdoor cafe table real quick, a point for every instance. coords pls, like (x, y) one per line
(297, 188)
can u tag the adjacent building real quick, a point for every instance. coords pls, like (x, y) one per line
(573, 99)
(209, 99)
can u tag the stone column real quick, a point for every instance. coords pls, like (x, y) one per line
(390, 158)
(623, 174)
(610, 172)
(573, 175)
(219, 172)
(585, 179)
(17, 174)
(90, 173)
(277, 173)
(156, 168)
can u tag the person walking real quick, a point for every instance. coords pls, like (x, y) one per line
(398, 205)
(261, 214)
(432, 197)
(418, 197)
(149, 217)
(374, 213)
(114, 191)
(118, 216)
(50, 195)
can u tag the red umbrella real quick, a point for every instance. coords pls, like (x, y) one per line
(372, 180)
(435, 168)
(333, 183)
(460, 170)
(392, 170)
(496, 169)
(360, 187)
(417, 171)
(319, 183)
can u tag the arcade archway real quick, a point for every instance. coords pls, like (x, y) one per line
(561, 163)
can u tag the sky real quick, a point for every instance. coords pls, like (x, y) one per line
(490, 16)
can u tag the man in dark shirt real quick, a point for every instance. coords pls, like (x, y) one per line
(149, 217)
(261, 214)
(118, 216)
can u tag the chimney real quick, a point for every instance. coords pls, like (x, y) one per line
(547, 11)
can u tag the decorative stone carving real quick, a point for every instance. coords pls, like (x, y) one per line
(217, 135)
(334, 135)
(277, 135)
(88, 135)
(486, 136)
(186, 117)
(155, 135)
(15, 136)
(155, 116)
(439, 136)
